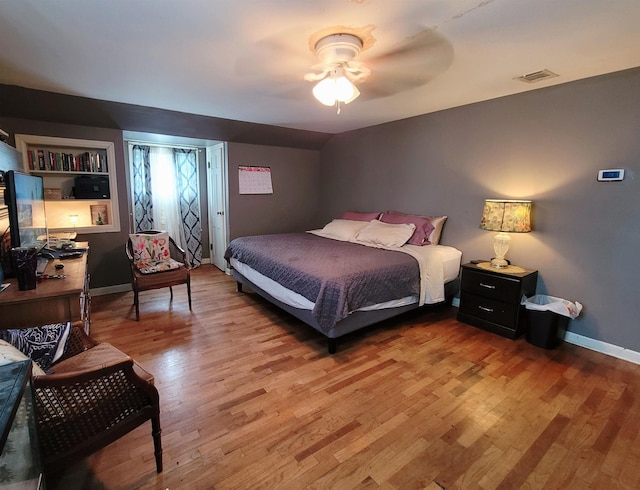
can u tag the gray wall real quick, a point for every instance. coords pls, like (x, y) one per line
(546, 145)
(107, 262)
(294, 161)
(293, 206)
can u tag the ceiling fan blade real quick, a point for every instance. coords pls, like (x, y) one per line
(412, 63)
(284, 51)
(425, 44)
(314, 77)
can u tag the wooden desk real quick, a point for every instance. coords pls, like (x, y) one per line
(52, 301)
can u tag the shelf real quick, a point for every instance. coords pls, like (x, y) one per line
(60, 206)
(65, 172)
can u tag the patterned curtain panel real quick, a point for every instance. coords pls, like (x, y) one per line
(189, 202)
(141, 183)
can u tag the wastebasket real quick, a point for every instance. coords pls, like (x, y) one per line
(548, 318)
(25, 261)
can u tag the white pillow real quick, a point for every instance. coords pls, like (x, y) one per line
(9, 354)
(342, 229)
(386, 234)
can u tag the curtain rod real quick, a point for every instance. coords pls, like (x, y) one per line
(162, 145)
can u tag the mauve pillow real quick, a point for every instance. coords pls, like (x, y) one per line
(423, 226)
(354, 216)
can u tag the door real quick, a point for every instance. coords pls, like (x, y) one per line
(217, 202)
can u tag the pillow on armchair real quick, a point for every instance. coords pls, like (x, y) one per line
(151, 252)
(44, 345)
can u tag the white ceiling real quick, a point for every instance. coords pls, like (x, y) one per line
(245, 59)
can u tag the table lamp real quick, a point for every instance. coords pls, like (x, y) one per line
(505, 216)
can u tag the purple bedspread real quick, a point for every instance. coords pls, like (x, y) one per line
(339, 277)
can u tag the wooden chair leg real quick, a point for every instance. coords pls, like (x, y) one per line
(171, 291)
(189, 293)
(157, 442)
(137, 303)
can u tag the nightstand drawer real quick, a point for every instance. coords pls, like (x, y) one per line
(488, 309)
(491, 286)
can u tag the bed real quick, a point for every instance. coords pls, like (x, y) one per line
(348, 275)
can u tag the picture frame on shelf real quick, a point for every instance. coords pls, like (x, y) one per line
(99, 214)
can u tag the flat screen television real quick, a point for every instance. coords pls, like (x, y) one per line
(24, 198)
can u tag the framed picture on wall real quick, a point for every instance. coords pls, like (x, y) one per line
(99, 214)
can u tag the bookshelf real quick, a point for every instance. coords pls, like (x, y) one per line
(81, 192)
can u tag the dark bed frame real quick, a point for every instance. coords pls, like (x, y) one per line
(355, 321)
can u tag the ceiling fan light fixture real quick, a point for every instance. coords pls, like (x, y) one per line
(335, 88)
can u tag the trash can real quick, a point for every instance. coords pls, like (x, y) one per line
(25, 261)
(547, 319)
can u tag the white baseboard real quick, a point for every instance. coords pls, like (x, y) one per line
(603, 347)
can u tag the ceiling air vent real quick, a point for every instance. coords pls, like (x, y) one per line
(537, 76)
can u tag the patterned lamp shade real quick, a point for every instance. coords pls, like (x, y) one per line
(506, 215)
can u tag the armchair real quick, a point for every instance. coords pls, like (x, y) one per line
(161, 278)
(95, 395)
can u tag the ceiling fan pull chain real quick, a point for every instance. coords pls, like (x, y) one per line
(338, 107)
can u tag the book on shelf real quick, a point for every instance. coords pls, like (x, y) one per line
(42, 165)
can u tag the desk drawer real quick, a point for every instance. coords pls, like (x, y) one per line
(489, 309)
(494, 287)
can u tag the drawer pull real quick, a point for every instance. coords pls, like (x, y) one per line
(484, 308)
(488, 286)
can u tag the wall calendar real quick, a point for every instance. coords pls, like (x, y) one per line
(254, 180)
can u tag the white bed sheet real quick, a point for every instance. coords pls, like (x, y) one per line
(448, 257)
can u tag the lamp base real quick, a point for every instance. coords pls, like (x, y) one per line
(499, 263)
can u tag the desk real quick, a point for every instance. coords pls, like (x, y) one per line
(52, 301)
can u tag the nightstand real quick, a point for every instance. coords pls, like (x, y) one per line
(490, 298)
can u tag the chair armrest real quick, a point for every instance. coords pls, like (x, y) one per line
(77, 342)
(123, 367)
(177, 253)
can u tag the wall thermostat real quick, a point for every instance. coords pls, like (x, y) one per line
(611, 175)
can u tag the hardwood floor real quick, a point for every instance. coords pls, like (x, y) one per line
(251, 399)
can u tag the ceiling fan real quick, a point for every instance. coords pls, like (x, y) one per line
(338, 72)
(408, 64)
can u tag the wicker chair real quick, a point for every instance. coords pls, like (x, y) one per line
(91, 400)
(145, 282)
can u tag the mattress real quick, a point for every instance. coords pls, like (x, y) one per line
(449, 256)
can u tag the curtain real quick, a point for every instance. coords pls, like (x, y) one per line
(141, 185)
(186, 164)
(165, 195)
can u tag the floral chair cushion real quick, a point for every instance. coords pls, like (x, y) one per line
(150, 266)
(151, 252)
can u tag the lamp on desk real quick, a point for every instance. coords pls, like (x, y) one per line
(74, 219)
(505, 216)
